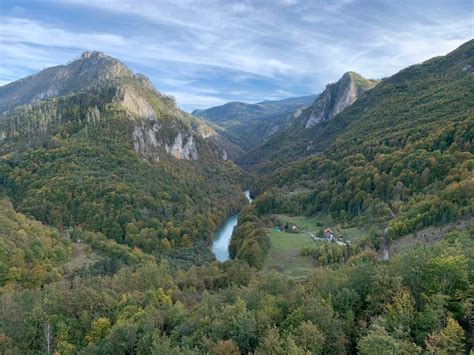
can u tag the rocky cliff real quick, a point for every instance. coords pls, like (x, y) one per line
(335, 98)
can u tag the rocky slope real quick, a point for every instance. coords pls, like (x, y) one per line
(106, 76)
(335, 98)
(91, 69)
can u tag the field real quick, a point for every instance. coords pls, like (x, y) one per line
(284, 254)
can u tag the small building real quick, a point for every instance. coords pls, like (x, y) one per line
(291, 228)
(328, 233)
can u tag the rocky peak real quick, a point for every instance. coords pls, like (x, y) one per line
(95, 67)
(90, 69)
(92, 55)
(351, 75)
(335, 98)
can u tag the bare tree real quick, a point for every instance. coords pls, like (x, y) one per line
(48, 337)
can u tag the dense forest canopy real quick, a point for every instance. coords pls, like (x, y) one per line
(125, 302)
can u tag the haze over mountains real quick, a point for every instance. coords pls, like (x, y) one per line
(249, 125)
(110, 197)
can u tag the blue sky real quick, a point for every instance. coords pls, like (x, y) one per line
(206, 53)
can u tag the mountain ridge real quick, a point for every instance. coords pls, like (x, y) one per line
(91, 68)
(248, 125)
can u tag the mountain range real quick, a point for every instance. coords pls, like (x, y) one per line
(358, 238)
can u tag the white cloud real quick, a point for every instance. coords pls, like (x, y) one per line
(192, 101)
(289, 43)
(18, 30)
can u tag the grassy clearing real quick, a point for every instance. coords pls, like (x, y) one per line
(316, 223)
(284, 254)
(82, 256)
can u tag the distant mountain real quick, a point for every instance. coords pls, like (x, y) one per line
(248, 125)
(294, 141)
(92, 144)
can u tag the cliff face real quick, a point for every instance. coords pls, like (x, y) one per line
(183, 147)
(335, 98)
(146, 143)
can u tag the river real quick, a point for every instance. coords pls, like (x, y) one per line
(220, 245)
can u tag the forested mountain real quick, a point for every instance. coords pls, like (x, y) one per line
(110, 196)
(249, 125)
(126, 302)
(115, 157)
(405, 148)
(296, 139)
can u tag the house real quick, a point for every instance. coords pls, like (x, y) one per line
(328, 233)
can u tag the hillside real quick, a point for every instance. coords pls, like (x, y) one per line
(402, 154)
(31, 254)
(248, 125)
(296, 139)
(115, 157)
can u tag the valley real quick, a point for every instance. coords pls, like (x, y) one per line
(128, 226)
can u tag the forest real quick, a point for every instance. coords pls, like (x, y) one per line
(418, 301)
(69, 162)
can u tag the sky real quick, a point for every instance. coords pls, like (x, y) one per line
(209, 52)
